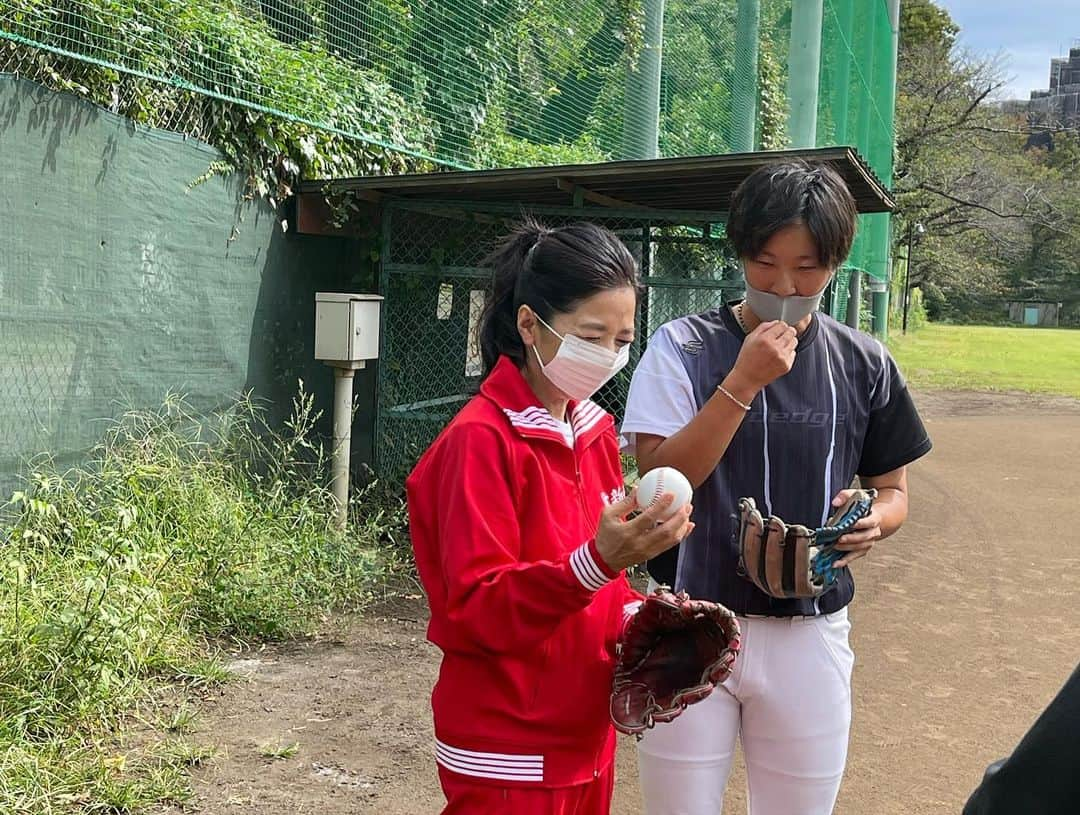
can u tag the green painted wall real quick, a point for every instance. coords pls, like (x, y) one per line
(120, 283)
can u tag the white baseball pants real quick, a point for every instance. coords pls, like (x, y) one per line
(788, 699)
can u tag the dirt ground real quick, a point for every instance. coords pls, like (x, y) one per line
(965, 625)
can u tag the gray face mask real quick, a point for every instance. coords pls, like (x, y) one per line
(791, 310)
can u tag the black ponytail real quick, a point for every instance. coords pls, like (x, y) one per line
(551, 271)
(498, 334)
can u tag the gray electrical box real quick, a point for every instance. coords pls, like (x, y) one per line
(347, 327)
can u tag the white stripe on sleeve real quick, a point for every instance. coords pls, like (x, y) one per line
(586, 569)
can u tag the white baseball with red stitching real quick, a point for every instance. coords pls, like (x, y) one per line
(655, 483)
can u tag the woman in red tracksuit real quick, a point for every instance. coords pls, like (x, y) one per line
(517, 519)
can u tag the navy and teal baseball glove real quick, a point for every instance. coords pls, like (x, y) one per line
(793, 560)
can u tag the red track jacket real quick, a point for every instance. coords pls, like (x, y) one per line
(502, 514)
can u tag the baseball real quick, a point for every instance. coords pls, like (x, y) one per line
(655, 483)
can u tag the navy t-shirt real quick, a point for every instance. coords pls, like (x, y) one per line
(842, 411)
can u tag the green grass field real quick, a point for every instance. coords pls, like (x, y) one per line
(1038, 360)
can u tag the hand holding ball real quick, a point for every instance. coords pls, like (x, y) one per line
(660, 481)
(623, 541)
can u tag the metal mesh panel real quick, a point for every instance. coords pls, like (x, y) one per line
(435, 289)
(838, 296)
(178, 111)
(43, 378)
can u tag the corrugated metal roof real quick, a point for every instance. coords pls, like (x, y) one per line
(695, 183)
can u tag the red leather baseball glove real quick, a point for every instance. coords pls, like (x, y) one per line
(673, 652)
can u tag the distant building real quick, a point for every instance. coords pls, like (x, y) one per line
(1034, 312)
(1058, 105)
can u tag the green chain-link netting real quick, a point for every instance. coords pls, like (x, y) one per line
(491, 80)
(486, 83)
(489, 83)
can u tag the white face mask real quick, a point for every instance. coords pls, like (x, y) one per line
(791, 309)
(579, 368)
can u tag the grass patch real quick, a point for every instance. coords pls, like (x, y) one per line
(181, 720)
(280, 751)
(1037, 360)
(117, 580)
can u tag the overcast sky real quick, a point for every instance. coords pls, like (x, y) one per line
(1027, 33)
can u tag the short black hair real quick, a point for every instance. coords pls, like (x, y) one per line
(551, 270)
(780, 194)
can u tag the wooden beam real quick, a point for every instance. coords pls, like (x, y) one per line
(371, 196)
(580, 192)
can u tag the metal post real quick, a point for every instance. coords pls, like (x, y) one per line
(879, 292)
(881, 317)
(343, 404)
(644, 329)
(866, 58)
(804, 66)
(745, 90)
(854, 298)
(842, 94)
(829, 298)
(641, 125)
(386, 258)
(907, 276)
(889, 106)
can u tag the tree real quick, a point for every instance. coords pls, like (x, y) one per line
(1050, 269)
(925, 24)
(962, 171)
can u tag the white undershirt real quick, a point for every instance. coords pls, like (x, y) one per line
(567, 432)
